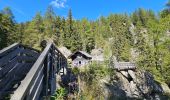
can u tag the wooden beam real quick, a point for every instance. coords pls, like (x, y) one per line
(29, 52)
(8, 67)
(34, 88)
(7, 49)
(26, 84)
(6, 59)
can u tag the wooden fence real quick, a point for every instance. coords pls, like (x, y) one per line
(27, 74)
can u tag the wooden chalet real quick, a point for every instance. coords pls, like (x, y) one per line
(80, 58)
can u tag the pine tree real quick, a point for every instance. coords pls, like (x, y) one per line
(166, 11)
(8, 26)
(21, 31)
(119, 28)
(63, 33)
(34, 32)
(69, 36)
(49, 22)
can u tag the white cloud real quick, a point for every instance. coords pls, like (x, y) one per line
(59, 3)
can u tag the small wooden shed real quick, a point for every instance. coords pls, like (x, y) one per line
(80, 58)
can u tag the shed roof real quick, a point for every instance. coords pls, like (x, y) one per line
(85, 53)
(82, 52)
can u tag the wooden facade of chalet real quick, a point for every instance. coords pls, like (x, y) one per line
(80, 58)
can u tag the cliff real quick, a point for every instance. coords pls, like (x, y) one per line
(134, 85)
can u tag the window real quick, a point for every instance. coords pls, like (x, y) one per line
(79, 62)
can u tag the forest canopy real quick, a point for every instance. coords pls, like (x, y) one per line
(143, 31)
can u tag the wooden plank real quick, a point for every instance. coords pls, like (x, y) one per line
(26, 68)
(46, 75)
(7, 49)
(37, 82)
(26, 84)
(49, 64)
(53, 85)
(39, 90)
(4, 60)
(23, 70)
(11, 75)
(7, 82)
(16, 71)
(29, 52)
(26, 59)
(6, 79)
(8, 67)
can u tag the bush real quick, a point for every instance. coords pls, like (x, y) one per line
(60, 94)
(75, 71)
(91, 77)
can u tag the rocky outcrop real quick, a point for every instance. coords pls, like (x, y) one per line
(66, 52)
(133, 85)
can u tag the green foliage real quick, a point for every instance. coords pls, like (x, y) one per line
(92, 76)
(166, 11)
(75, 71)
(112, 33)
(94, 72)
(7, 27)
(59, 95)
(121, 37)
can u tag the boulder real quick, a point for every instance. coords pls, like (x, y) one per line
(165, 88)
(125, 74)
(141, 86)
(134, 91)
(132, 74)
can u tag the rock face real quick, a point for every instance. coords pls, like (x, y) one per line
(65, 51)
(133, 85)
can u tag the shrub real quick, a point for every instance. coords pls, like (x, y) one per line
(60, 94)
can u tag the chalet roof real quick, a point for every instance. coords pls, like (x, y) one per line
(85, 53)
(82, 52)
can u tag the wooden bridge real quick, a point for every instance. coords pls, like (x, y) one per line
(28, 74)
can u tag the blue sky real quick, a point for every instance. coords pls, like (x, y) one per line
(25, 10)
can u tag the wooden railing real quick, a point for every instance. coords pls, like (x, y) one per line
(124, 66)
(15, 62)
(41, 79)
(27, 74)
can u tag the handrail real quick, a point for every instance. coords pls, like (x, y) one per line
(7, 49)
(46, 64)
(28, 81)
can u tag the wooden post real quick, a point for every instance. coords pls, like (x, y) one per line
(53, 78)
(60, 63)
(46, 77)
(63, 65)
